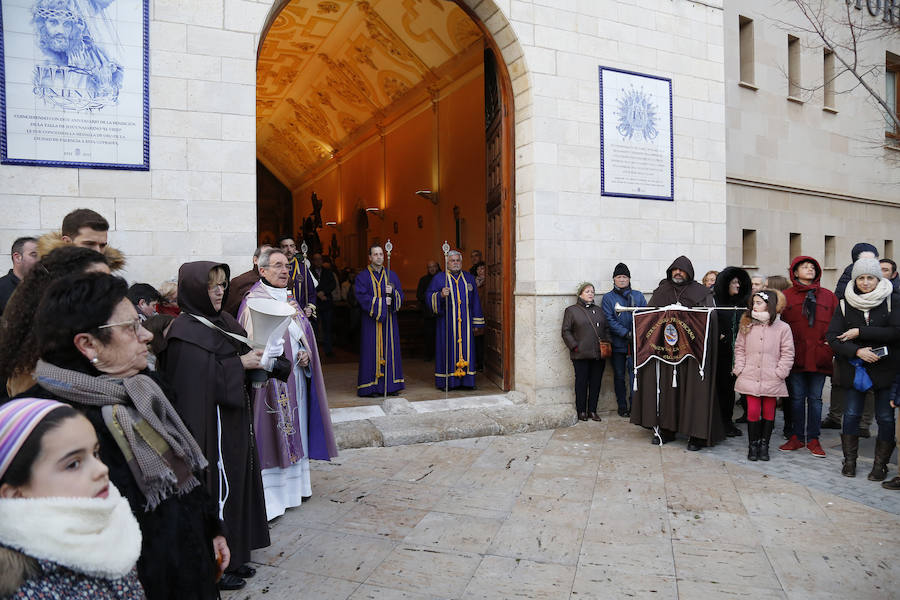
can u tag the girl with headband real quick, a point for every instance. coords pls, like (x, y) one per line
(763, 358)
(65, 532)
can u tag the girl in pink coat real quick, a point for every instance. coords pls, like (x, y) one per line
(763, 357)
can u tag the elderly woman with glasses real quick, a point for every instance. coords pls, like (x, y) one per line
(207, 366)
(292, 419)
(93, 356)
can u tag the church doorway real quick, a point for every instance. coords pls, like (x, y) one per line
(383, 120)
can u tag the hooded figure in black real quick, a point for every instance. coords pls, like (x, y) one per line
(732, 288)
(689, 408)
(205, 368)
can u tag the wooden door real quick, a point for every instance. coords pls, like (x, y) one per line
(492, 303)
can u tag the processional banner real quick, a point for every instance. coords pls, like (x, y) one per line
(74, 83)
(671, 335)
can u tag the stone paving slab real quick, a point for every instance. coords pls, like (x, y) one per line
(584, 512)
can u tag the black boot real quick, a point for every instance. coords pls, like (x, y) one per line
(883, 451)
(753, 432)
(767, 427)
(850, 446)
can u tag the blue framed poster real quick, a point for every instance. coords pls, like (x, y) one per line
(74, 83)
(636, 141)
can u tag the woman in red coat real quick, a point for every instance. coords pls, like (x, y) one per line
(808, 312)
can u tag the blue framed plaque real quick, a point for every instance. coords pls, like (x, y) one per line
(74, 83)
(636, 140)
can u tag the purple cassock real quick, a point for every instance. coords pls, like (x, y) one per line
(302, 283)
(279, 407)
(379, 351)
(454, 352)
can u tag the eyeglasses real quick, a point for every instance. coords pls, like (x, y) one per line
(277, 266)
(135, 325)
(223, 285)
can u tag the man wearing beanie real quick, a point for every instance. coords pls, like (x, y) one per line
(620, 325)
(836, 408)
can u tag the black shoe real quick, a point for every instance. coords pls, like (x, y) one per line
(582, 416)
(830, 423)
(694, 444)
(732, 431)
(231, 582)
(893, 484)
(623, 412)
(243, 571)
(595, 417)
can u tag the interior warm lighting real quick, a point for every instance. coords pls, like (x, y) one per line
(428, 195)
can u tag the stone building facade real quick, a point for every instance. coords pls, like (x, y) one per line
(735, 167)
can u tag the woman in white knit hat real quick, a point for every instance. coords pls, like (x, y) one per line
(865, 336)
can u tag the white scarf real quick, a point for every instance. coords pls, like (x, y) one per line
(98, 537)
(868, 301)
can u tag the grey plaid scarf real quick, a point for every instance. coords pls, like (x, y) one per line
(160, 450)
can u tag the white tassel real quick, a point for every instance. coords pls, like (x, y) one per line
(675, 376)
(223, 478)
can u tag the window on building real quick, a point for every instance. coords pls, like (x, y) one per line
(748, 247)
(794, 89)
(745, 27)
(888, 249)
(829, 252)
(796, 246)
(828, 79)
(892, 96)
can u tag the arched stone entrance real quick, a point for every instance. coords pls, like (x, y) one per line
(498, 190)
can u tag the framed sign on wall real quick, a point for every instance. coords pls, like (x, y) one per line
(636, 142)
(74, 83)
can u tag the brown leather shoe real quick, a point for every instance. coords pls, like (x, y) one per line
(595, 417)
(582, 416)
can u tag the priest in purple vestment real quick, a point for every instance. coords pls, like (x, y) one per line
(293, 423)
(379, 296)
(453, 297)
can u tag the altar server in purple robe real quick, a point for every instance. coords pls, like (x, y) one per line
(290, 411)
(453, 297)
(379, 296)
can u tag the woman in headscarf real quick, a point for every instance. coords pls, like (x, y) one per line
(18, 344)
(93, 352)
(207, 368)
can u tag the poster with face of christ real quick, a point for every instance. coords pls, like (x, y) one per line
(75, 83)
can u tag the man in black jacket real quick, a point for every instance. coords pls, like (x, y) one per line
(24, 255)
(430, 319)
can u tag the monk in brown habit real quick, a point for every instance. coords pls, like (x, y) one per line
(690, 408)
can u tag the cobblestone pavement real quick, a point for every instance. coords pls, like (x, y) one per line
(591, 511)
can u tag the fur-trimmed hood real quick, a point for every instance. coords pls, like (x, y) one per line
(15, 568)
(723, 281)
(53, 240)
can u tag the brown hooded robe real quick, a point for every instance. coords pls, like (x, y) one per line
(690, 408)
(204, 367)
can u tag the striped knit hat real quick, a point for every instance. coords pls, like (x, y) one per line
(18, 418)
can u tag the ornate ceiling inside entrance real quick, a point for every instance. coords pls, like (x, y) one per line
(329, 70)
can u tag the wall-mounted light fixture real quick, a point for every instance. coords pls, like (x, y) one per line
(428, 195)
(333, 224)
(376, 211)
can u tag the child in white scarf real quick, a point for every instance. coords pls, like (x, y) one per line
(65, 532)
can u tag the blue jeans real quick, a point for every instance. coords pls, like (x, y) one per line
(805, 389)
(623, 367)
(884, 414)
